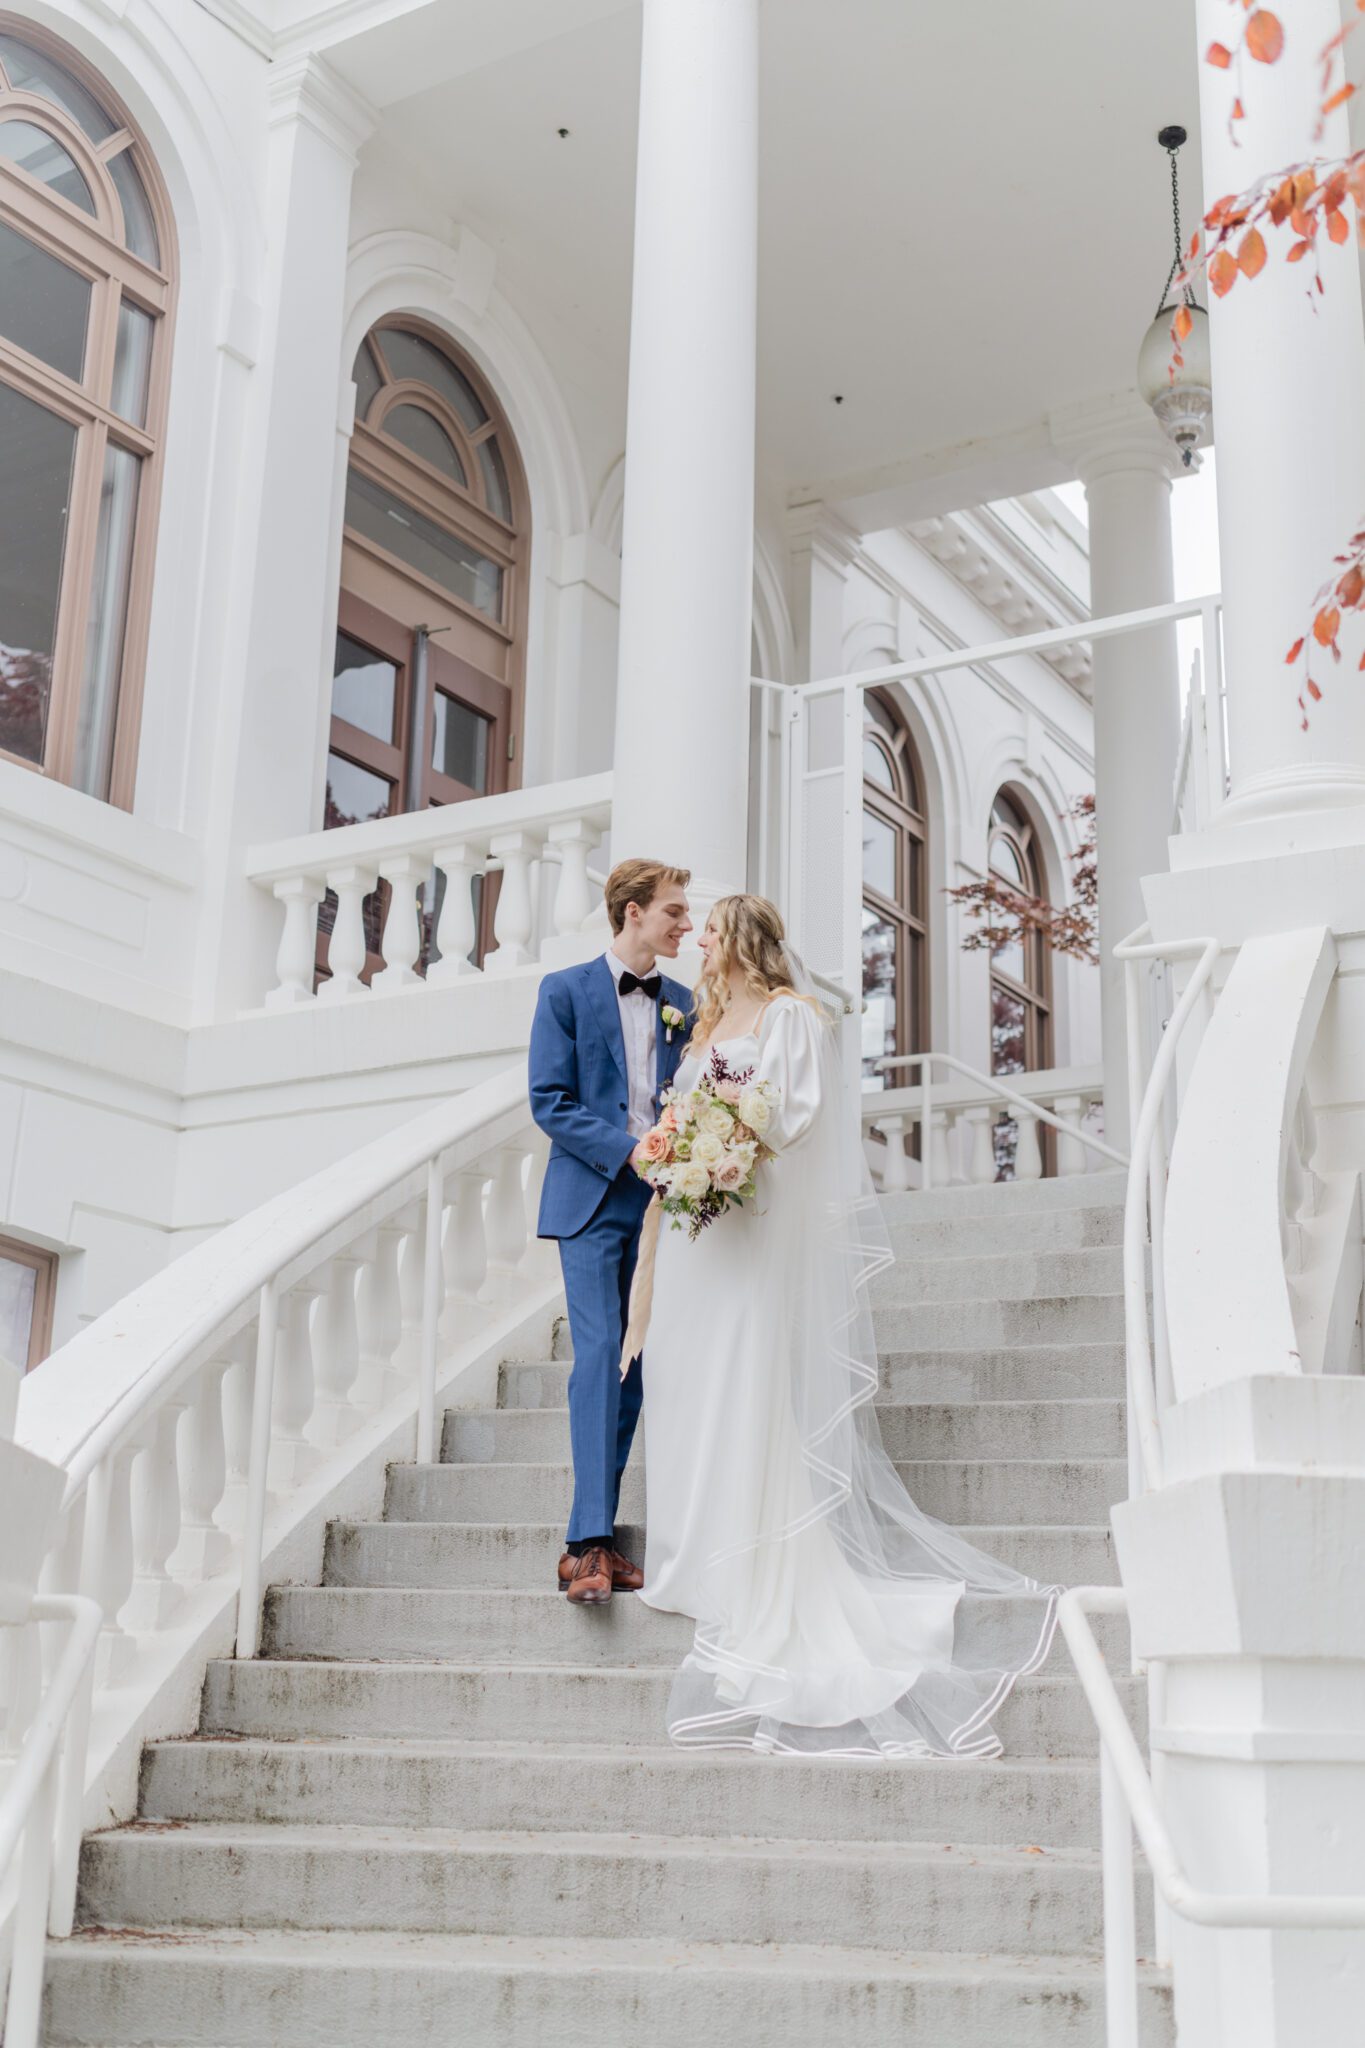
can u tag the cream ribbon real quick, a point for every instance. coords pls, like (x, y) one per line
(642, 1285)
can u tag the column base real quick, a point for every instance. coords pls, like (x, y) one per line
(1311, 786)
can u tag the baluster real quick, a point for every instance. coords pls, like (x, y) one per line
(506, 1222)
(465, 1249)
(295, 960)
(379, 1316)
(347, 950)
(155, 1512)
(238, 1393)
(535, 1180)
(107, 1564)
(980, 1159)
(410, 1265)
(573, 904)
(204, 1548)
(402, 941)
(1071, 1153)
(963, 1139)
(896, 1170)
(336, 1347)
(938, 1140)
(1028, 1157)
(457, 931)
(513, 920)
(292, 1456)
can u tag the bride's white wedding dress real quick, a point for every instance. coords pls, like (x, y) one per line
(832, 1615)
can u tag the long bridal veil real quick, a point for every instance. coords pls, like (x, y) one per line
(837, 1618)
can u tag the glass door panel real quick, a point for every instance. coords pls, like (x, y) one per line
(37, 452)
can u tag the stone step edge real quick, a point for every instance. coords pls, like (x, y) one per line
(977, 1533)
(321, 1949)
(880, 1401)
(379, 1839)
(653, 1673)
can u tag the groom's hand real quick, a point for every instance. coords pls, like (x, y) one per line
(637, 1157)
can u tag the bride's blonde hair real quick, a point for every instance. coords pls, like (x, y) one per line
(749, 934)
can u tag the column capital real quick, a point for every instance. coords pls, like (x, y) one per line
(308, 90)
(1112, 436)
(815, 528)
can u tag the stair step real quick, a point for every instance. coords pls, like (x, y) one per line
(470, 1626)
(1003, 1198)
(406, 1991)
(989, 1325)
(1000, 1276)
(1025, 1490)
(1033, 1372)
(1019, 1230)
(650, 1887)
(504, 1555)
(1043, 1716)
(581, 1787)
(924, 1429)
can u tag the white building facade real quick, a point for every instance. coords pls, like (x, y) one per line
(448, 444)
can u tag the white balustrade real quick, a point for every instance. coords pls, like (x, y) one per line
(107, 1559)
(293, 1457)
(515, 836)
(978, 1145)
(379, 1316)
(155, 1509)
(205, 1549)
(1060, 1099)
(466, 1243)
(1028, 1153)
(411, 1288)
(336, 1351)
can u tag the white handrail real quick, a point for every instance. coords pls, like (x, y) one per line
(52, 1755)
(1144, 1201)
(993, 1086)
(1127, 1802)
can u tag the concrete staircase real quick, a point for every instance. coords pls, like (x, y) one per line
(440, 1809)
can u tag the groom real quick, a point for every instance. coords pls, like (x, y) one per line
(601, 1052)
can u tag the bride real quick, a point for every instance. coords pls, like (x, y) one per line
(832, 1615)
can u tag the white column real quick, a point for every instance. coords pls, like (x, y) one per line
(1289, 422)
(1126, 464)
(823, 549)
(682, 719)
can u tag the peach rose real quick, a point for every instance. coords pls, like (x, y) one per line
(656, 1146)
(668, 1121)
(730, 1175)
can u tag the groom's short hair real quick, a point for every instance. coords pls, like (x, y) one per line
(639, 881)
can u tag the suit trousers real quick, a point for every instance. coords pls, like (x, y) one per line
(598, 1264)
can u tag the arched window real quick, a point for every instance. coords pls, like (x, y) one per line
(86, 292)
(427, 686)
(895, 936)
(1021, 980)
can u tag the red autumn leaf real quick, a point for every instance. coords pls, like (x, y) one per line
(1194, 249)
(1222, 273)
(1305, 181)
(1251, 255)
(1325, 625)
(1218, 56)
(1295, 651)
(1352, 587)
(1239, 112)
(1314, 692)
(1303, 224)
(1265, 37)
(1298, 252)
(1336, 227)
(1362, 661)
(1184, 321)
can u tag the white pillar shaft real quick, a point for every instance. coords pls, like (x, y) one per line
(1137, 722)
(1289, 419)
(682, 720)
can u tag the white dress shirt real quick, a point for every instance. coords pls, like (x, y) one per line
(639, 1029)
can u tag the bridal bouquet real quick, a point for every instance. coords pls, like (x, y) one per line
(704, 1153)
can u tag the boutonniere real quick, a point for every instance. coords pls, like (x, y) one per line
(673, 1021)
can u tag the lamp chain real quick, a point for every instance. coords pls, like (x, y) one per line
(1177, 258)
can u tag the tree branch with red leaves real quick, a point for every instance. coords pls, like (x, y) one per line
(1006, 916)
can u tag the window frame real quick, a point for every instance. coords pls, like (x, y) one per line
(1035, 991)
(44, 1265)
(907, 911)
(95, 250)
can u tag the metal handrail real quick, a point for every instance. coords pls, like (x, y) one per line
(1127, 1802)
(993, 1086)
(1144, 1201)
(45, 1779)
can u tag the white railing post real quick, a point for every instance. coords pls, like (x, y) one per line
(926, 1113)
(575, 838)
(1120, 1921)
(300, 896)
(253, 1520)
(513, 920)
(457, 929)
(433, 1288)
(401, 944)
(347, 949)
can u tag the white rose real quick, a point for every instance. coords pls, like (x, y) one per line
(745, 1155)
(755, 1110)
(691, 1180)
(708, 1149)
(716, 1120)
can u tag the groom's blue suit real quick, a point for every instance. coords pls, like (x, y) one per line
(594, 1204)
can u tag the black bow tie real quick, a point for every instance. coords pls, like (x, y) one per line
(649, 983)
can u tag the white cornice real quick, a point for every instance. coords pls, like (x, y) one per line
(308, 90)
(817, 529)
(987, 561)
(243, 22)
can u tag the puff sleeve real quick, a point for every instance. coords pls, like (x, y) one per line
(789, 1047)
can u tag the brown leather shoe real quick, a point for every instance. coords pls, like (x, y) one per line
(587, 1579)
(625, 1576)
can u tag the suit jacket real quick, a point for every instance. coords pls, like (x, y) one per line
(578, 1087)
